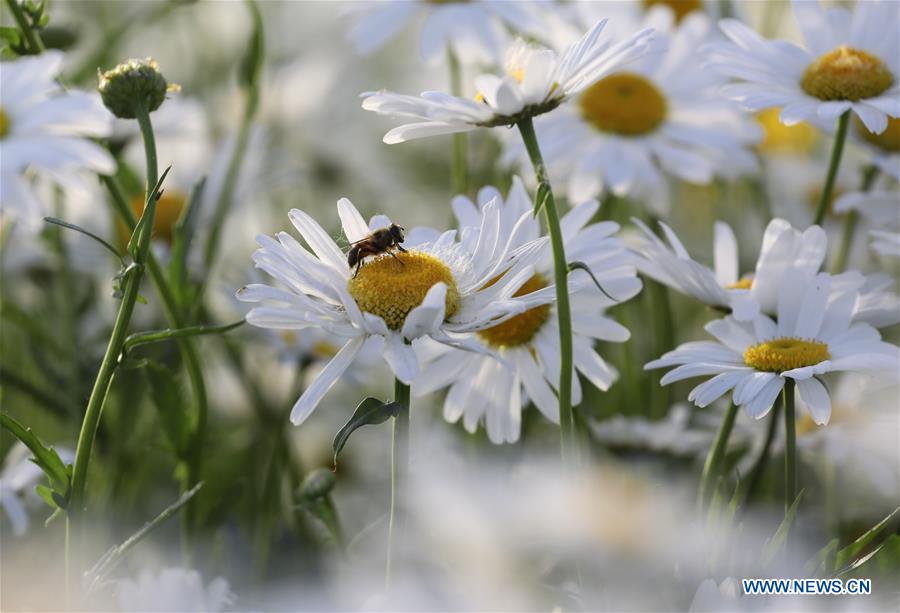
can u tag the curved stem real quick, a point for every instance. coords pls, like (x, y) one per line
(399, 467)
(790, 446)
(560, 273)
(458, 168)
(870, 173)
(716, 454)
(833, 165)
(35, 44)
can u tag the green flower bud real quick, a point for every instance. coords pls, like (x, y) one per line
(318, 484)
(131, 83)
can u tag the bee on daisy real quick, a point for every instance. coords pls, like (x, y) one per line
(535, 81)
(439, 289)
(522, 360)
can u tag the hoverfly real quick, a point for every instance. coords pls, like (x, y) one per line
(376, 243)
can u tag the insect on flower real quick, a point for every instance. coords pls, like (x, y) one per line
(380, 241)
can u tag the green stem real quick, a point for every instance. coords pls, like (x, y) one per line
(716, 454)
(459, 170)
(225, 198)
(399, 468)
(790, 446)
(120, 331)
(157, 336)
(35, 44)
(833, 165)
(560, 273)
(759, 466)
(840, 262)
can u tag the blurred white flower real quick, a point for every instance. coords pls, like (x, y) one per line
(476, 32)
(711, 597)
(178, 590)
(438, 289)
(850, 62)
(813, 336)
(536, 81)
(490, 386)
(46, 128)
(661, 115)
(17, 482)
(782, 247)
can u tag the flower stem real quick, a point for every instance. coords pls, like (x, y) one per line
(760, 465)
(399, 468)
(120, 329)
(459, 170)
(790, 446)
(870, 173)
(560, 273)
(35, 44)
(833, 165)
(716, 454)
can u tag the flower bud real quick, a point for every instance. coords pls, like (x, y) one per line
(132, 83)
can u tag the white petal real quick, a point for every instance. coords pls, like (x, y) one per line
(816, 398)
(428, 316)
(355, 227)
(326, 379)
(401, 358)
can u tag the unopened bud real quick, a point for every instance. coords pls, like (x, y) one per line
(133, 83)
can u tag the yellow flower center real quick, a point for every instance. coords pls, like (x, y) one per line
(520, 329)
(744, 283)
(391, 287)
(779, 138)
(846, 74)
(168, 211)
(889, 140)
(623, 103)
(4, 123)
(681, 8)
(781, 354)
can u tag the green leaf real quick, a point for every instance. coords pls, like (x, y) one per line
(172, 408)
(45, 457)
(880, 561)
(252, 61)
(582, 266)
(10, 35)
(852, 550)
(156, 336)
(149, 211)
(780, 538)
(540, 198)
(108, 561)
(370, 411)
(88, 233)
(823, 562)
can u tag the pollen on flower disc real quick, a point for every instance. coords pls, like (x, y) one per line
(781, 354)
(391, 287)
(520, 329)
(623, 103)
(846, 74)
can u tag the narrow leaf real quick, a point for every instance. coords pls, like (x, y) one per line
(95, 576)
(582, 266)
(852, 550)
(149, 211)
(88, 233)
(370, 411)
(45, 457)
(156, 336)
(780, 538)
(822, 563)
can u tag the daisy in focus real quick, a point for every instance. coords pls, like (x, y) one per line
(813, 336)
(850, 62)
(475, 32)
(524, 358)
(536, 81)
(48, 129)
(440, 289)
(783, 247)
(660, 115)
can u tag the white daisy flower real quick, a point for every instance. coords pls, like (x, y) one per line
(440, 289)
(536, 81)
(886, 243)
(723, 286)
(173, 589)
(661, 115)
(45, 128)
(813, 336)
(476, 32)
(850, 62)
(525, 358)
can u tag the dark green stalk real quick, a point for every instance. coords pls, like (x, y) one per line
(459, 170)
(833, 166)
(399, 469)
(790, 446)
(35, 44)
(560, 273)
(712, 466)
(759, 466)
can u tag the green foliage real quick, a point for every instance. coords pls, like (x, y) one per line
(851, 551)
(779, 540)
(370, 411)
(60, 475)
(172, 407)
